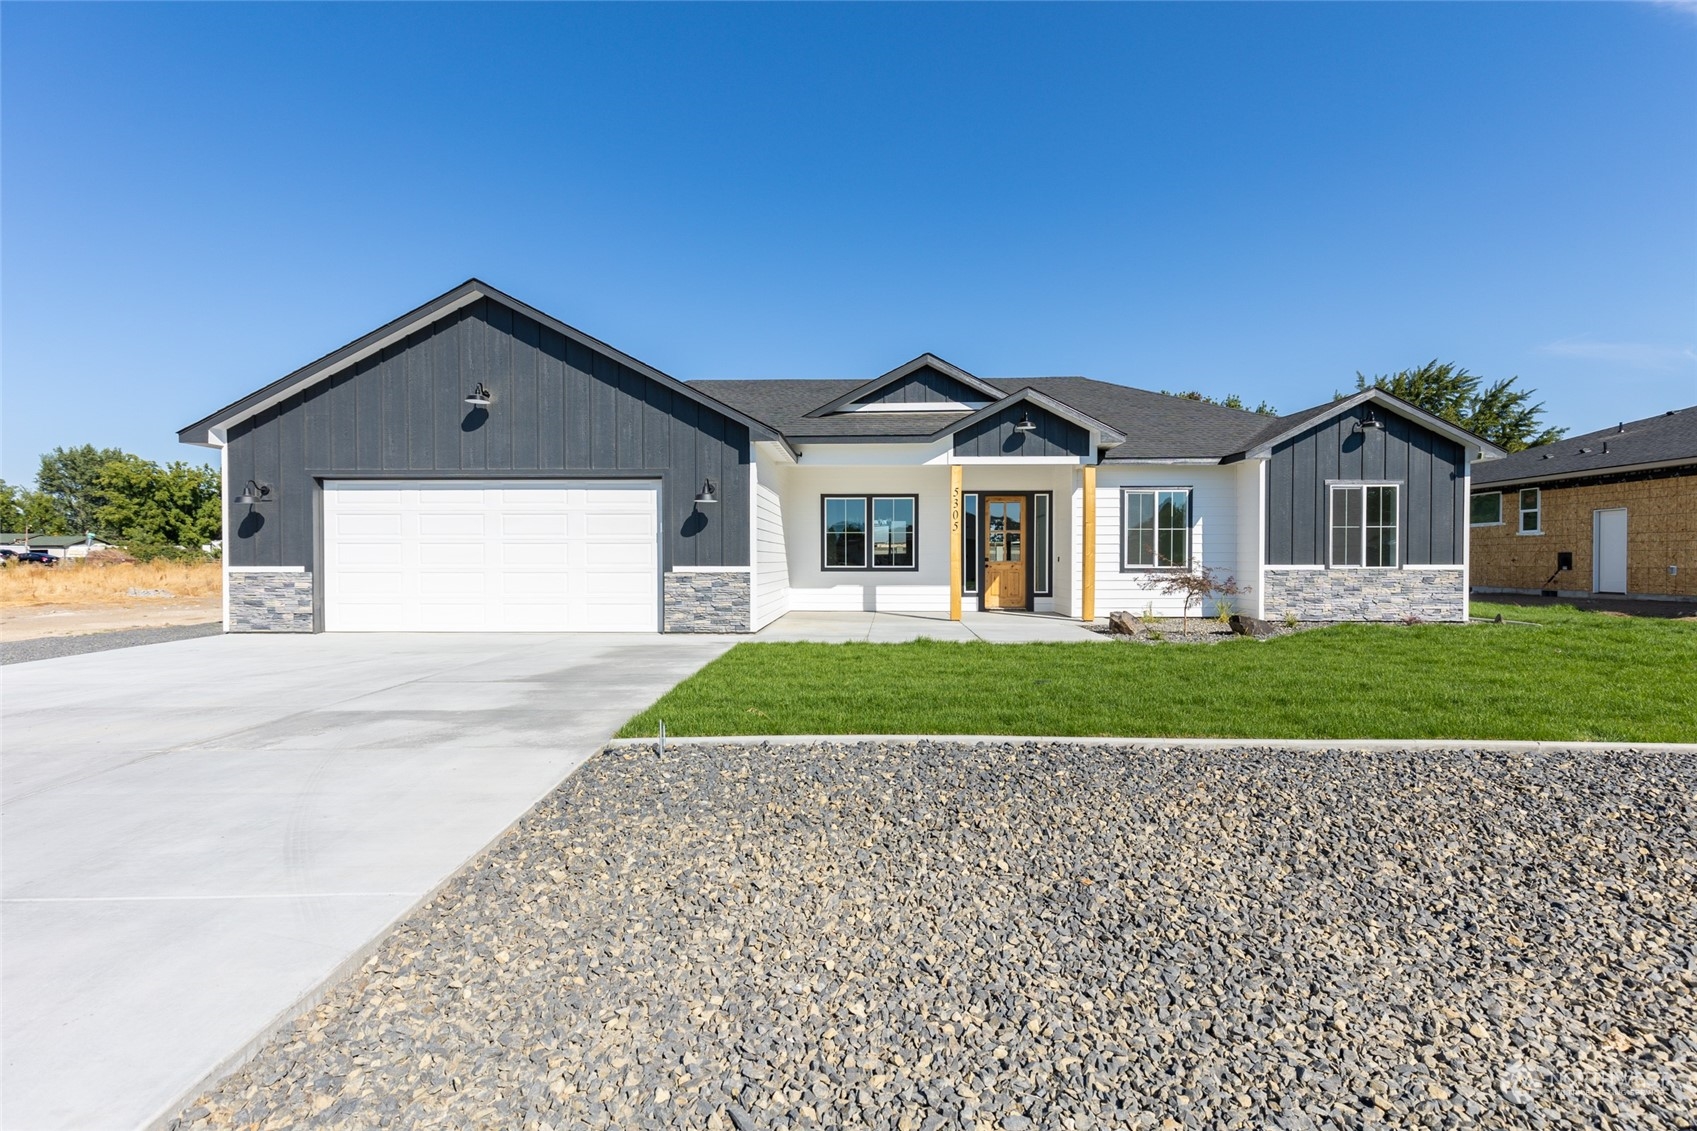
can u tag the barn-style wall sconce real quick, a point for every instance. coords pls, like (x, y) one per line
(1025, 423)
(254, 493)
(707, 494)
(479, 397)
(1369, 421)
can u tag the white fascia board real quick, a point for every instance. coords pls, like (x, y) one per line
(217, 437)
(1204, 461)
(782, 453)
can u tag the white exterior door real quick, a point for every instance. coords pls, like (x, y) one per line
(475, 556)
(1608, 550)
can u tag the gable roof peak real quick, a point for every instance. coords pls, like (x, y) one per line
(923, 361)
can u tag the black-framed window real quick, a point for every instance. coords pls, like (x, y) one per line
(870, 532)
(1487, 509)
(969, 543)
(1040, 540)
(1155, 527)
(1364, 525)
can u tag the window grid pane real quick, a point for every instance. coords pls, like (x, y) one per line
(1346, 526)
(1529, 509)
(1381, 526)
(1140, 528)
(1173, 526)
(892, 533)
(845, 533)
(1487, 509)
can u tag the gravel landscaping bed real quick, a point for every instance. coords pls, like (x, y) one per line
(1034, 936)
(1201, 630)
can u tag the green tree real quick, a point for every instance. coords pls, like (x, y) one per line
(1499, 412)
(151, 508)
(1231, 400)
(11, 508)
(69, 482)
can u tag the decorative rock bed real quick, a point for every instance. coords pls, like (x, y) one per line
(1034, 936)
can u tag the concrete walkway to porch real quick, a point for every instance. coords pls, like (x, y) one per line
(896, 628)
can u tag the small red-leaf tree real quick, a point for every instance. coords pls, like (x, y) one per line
(1196, 586)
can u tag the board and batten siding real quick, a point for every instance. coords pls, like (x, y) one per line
(1431, 469)
(925, 386)
(559, 408)
(1213, 534)
(996, 436)
(771, 561)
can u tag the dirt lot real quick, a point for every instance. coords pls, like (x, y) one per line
(74, 598)
(35, 622)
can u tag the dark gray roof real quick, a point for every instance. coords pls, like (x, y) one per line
(1155, 425)
(1668, 438)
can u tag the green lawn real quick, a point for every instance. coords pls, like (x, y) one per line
(1574, 676)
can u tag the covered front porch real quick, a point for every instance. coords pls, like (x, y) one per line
(993, 536)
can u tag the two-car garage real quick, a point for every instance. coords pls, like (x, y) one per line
(543, 555)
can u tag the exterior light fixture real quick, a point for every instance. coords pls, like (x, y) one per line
(708, 493)
(1369, 421)
(1025, 423)
(254, 493)
(479, 397)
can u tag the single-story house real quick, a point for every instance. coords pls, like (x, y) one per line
(1612, 511)
(59, 545)
(477, 464)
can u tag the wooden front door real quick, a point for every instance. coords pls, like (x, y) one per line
(1004, 552)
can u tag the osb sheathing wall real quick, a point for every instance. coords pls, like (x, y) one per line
(1661, 530)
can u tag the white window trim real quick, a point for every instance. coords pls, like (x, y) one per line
(1189, 531)
(1521, 512)
(1332, 485)
(1481, 495)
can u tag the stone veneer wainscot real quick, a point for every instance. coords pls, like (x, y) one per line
(1367, 594)
(270, 601)
(715, 601)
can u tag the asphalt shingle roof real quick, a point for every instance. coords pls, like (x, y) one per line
(1655, 439)
(1155, 425)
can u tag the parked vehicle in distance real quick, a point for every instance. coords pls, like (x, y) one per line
(38, 557)
(7, 553)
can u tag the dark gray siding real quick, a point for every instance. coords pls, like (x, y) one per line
(1430, 468)
(926, 386)
(560, 409)
(995, 435)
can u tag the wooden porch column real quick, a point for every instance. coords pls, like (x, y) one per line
(955, 508)
(1088, 589)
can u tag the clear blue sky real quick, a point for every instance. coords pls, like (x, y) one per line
(1259, 199)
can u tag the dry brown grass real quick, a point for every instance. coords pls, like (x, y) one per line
(78, 583)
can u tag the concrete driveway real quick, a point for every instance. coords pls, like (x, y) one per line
(197, 834)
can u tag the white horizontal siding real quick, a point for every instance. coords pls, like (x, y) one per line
(1213, 535)
(771, 560)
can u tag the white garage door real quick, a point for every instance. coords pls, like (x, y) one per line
(523, 556)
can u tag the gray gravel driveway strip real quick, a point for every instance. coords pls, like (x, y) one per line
(1008, 936)
(52, 647)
